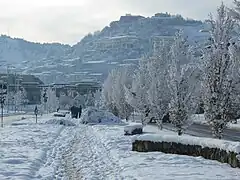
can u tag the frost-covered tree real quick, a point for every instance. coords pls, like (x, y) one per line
(113, 93)
(97, 98)
(218, 68)
(52, 101)
(235, 12)
(65, 101)
(79, 100)
(235, 56)
(90, 99)
(158, 92)
(10, 99)
(181, 83)
(107, 94)
(137, 95)
(121, 80)
(43, 107)
(20, 98)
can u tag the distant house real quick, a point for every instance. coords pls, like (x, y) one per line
(30, 83)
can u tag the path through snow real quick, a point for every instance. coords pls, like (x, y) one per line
(102, 152)
(92, 155)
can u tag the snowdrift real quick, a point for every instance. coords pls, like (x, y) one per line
(92, 115)
(63, 122)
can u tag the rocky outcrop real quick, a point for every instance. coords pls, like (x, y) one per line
(218, 154)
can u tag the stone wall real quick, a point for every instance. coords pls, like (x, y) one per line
(190, 150)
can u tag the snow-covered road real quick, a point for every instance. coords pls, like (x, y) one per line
(49, 150)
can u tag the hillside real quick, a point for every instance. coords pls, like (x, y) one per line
(123, 42)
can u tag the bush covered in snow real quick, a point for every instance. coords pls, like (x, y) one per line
(94, 116)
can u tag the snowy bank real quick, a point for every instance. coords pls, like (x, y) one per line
(214, 149)
(92, 115)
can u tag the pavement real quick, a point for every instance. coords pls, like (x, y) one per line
(201, 130)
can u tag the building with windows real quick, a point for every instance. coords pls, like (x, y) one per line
(29, 83)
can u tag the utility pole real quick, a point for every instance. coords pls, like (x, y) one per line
(15, 84)
(7, 89)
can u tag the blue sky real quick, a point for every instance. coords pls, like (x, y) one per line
(67, 21)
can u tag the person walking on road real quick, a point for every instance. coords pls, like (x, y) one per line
(80, 111)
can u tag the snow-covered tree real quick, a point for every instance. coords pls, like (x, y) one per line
(107, 93)
(10, 99)
(158, 92)
(79, 100)
(235, 56)
(113, 93)
(42, 107)
(218, 67)
(121, 80)
(235, 12)
(97, 98)
(181, 83)
(90, 99)
(65, 101)
(20, 98)
(137, 95)
(52, 101)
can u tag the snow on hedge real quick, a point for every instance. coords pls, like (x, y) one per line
(228, 146)
(93, 115)
(131, 127)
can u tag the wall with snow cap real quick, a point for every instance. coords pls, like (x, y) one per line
(214, 149)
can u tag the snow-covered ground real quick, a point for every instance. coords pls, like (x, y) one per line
(11, 118)
(49, 150)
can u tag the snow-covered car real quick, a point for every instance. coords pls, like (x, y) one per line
(59, 114)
